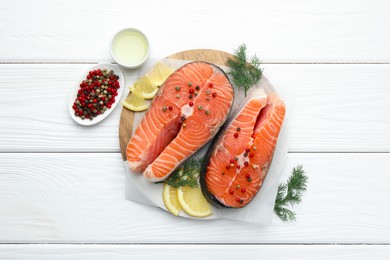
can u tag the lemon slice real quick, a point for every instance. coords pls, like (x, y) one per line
(147, 86)
(135, 103)
(193, 202)
(170, 199)
(160, 73)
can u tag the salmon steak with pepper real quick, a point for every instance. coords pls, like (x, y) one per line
(239, 158)
(188, 110)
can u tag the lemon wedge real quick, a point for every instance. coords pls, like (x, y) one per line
(135, 103)
(170, 199)
(147, 86)
(193, 202)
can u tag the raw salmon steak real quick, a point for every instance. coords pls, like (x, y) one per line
(187, 112)
(239, 159)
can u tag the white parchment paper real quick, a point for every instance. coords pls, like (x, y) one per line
(259, 210)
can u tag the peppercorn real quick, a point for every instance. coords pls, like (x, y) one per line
(93, 93)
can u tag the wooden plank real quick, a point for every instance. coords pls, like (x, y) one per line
(80, 198)
(336, 108)
(117, 252)
(279, 31)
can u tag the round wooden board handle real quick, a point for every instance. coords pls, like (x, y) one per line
(127, 116)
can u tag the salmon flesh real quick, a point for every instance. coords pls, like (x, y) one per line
(187, 112)
(240, 156)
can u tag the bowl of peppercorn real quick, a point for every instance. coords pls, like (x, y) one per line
(96, 94)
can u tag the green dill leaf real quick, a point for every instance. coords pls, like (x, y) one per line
(244, 74)
(285, 214)
(186, 175)
(290, 193)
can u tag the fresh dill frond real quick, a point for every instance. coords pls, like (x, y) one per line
(290, 193)
(186, 175)
(244, 74)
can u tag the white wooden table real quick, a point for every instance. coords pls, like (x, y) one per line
(62, 185)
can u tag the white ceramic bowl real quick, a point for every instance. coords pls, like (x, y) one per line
(101, 117)
(134, 42)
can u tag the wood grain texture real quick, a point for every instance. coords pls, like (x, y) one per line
(118, 252)
(207, 55)
(80, 198)
(332, 108)
(127, 117)
(279, 31)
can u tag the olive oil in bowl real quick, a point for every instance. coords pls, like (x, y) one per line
(130, 48)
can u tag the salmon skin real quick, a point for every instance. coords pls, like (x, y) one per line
(239, 158)
(187, 112)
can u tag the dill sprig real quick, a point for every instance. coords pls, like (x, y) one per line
(244, 74)
(290, 193)
(186, 175)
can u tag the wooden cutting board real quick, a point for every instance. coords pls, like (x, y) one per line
(127, 116)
